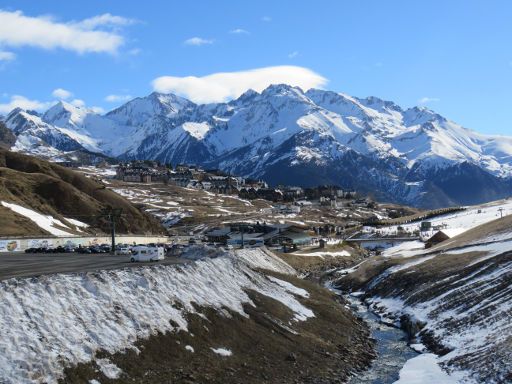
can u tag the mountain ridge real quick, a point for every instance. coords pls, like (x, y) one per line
(401, 155)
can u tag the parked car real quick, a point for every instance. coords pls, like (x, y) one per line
(95, 249)
(123, 251)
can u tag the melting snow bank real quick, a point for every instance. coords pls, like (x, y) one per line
(424, 369)
(54, 321)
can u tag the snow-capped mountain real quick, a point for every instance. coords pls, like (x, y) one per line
(285, 135)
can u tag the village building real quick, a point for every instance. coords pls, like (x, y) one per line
(260, 234)
(142, 172)
(218, 235)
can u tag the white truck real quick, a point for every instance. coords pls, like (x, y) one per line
(144, 253)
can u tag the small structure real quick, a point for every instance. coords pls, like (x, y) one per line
(442, 235)
(425, 226)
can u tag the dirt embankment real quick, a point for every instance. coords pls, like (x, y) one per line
(316, 264)
(267, 346)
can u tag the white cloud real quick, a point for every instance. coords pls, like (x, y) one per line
(105, 20)
(198, 41)
(426, 100)
(78, 103)
(223, 86)
(18, 101)
(22, 102)
(97, 110)
(293, 55)
(134, 51)
(7, 56)
(239, 31)
(17, 30)
(117, 98)
(61, 94)
(266, 19)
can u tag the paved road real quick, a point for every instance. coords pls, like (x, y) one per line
(35, 264)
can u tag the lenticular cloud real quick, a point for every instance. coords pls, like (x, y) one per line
(219, 87)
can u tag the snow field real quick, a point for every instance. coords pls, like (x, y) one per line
(460, 221)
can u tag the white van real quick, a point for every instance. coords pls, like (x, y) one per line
(143, 253)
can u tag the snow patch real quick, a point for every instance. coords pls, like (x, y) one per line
(290, 287)
(424, 369)
(45, 222)
(197, 130)
(108, 368)
(222, 351)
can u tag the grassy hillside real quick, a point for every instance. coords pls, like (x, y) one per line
(54, 190)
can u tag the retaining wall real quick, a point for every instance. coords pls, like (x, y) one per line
(19, 244)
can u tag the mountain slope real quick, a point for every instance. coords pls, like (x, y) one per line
(7, 138)
(413, 156)
(49, 189)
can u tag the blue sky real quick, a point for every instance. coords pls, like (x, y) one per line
(454, 57)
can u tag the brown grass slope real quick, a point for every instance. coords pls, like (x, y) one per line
(54, 190)
(268, 347)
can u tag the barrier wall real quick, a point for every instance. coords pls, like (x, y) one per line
(20, 244)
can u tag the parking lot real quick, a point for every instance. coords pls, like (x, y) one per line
(35, 264)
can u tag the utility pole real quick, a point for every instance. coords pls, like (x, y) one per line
(112, 214)
(501, 211)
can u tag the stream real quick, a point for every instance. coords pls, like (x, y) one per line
(391, 347)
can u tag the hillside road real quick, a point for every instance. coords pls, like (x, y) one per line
(36, 264)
